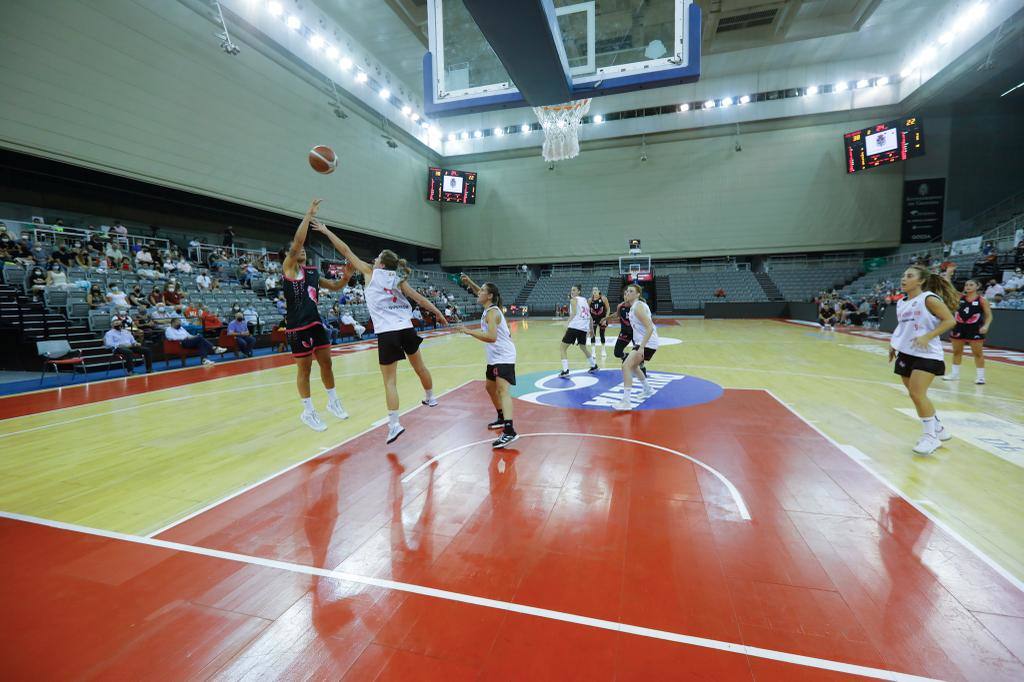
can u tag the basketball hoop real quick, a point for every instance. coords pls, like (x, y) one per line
(561, 124)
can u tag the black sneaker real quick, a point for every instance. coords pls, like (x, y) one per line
(643, 369)
(592, 370)
(563, 374)
(497, 424)
(504, 440)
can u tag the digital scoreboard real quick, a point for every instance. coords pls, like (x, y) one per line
(451, 186)
(884, 143)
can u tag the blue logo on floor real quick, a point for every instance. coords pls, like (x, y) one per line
(602, 390)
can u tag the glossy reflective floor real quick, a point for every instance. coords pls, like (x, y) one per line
(192, 529)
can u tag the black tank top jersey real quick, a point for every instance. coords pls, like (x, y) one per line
(969, 314)
(301, 295)
(626, 331)
(597, 310)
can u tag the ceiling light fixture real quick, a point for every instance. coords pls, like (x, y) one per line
(727, 102)
(316, 41)
(498, 132)
(525, 128)
(345, 63)
(710, 104)
(884, 80)
(478, 134)
(406, 110)
(598, 119)
(684, 107)
(415, 117)
(293, 22)
(332, 52)
(361, 77)
(745, 99)
(841, 86)
(275, 9)
(811, 90)
(863, 83)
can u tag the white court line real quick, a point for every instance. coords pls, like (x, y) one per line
(1012, 579)
(703, 642)
(274, 475)
(737, 498)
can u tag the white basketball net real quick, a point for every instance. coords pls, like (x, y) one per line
(561, 124)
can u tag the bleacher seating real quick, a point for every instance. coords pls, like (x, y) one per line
(552, 289)
(691, 290)
(803, 284)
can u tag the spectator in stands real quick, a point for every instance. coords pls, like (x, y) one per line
(281, 303)
(1016, 281)
(252, 318)
(720, 293)
(193, 311)
(271, 284)
(63, 256)
(997, 300)
(96, 299)
(82, 259)
(171, 294)
(5, 238)
(37, 283)
(236, 308)
(156, 297)
(211, 323)
(144, 322)
(125, 265)
(113, 253)
(123, 345)
(988, 249)
(158, 263)
(194, 251)
(229, 237)
(176, 333)
(994, 288)
(239, 329)
(250, 272)
(183, 266)
(117, 298)
(56, 277)
(203, 281)
(416, 314)
(144, 256)
(214, 284)
(136, 297)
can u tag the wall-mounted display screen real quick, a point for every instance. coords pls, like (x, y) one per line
(451, 186)
(884, 143)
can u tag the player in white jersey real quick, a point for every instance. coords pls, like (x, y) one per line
(576, 330)
(645, 344)
(501, 357)
(924, 315)
(387, 296)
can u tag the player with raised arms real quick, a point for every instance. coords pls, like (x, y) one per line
(599, 314)
(387, 296)
(973, 319)
(501, 357)
(645, 340)
(305, 330)
(576, 331)
(923, 316)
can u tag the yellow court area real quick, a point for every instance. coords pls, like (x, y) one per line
(138, 463)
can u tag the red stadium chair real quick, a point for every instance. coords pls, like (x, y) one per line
(225, 340)
(175, 349)
(59, 354)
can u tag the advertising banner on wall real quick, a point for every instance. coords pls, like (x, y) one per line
(964, 246)
(923, 204)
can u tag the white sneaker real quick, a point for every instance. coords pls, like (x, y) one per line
(394, 431)
(207, 362)
(623, 405)
(943, 433)
(950, 377)
(926, 445)
(219, 350)
(980, 381)
(313, 421)
(429, 403)
(335, 408)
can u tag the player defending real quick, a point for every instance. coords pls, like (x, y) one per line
(306, 334)
(576, 331)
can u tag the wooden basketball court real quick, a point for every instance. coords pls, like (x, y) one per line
(763, 519)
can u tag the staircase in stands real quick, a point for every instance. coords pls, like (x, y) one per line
(768, 287)
(28, 321)
(663, 290)
(525, 293)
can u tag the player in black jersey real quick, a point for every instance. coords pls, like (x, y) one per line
(625, 335)
(599, 313)
(306, 334)
(973, 318)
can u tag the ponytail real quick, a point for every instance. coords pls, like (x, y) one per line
(390, 260)
(939, 285)
(492, 289)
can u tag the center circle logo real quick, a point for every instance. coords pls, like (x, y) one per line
(600, 391)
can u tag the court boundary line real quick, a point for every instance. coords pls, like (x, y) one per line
(985, 558)
(486, 602)
(272, 476)
(733, 490)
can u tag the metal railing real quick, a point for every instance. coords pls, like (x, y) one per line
(58, 234)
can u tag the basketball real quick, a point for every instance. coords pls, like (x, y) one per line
(323, 159)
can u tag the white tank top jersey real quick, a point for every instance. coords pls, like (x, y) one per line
(638, 326)
(582, 319)
(389, 308)
(914, 320)
(502, 351)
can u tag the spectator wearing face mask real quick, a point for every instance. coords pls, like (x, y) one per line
(37, 282)
(123, 345)
(56, 277)
(211, 323)
(239, 329)
(171, 294)
(346, 318)
(144, 257)
(117, 298)
(252, 318)
(1016, 281)
(176, 333)
(994, 288)
(203, 281)
(183, 266)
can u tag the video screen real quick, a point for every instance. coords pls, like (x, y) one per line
(884, 143)
(451, 186)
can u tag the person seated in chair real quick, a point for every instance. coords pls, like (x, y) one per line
(125, 347)
(239, 329)
(176, 333)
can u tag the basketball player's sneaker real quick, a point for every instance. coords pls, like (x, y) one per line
(592, 370)
(429, 402)
(497, 424)
(950, 377)
(207, 362)
(942, 433)
(624, 404)
(980, 381)
(335, 408)
(564, 374)
(643, 368)
(313, 421)
(394, 431)
(648, 391)
(926, 445)
(504, 440)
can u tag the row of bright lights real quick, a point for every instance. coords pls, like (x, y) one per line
(969, 17)
(317, 43)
